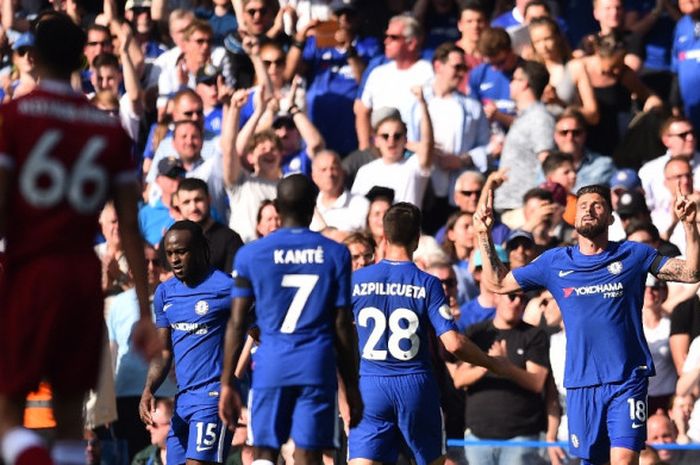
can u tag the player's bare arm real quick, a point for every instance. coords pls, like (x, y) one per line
(346, 348)
(157, 371)
(229, 400)
(496, 275)
(688, 270)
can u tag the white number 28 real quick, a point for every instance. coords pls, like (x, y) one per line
(397, 333)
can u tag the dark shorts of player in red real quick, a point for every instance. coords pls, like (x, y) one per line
(51, 324)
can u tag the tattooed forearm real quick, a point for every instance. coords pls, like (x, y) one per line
(487, 244)
(676, 269)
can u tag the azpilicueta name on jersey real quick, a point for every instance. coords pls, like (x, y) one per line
(393, 289)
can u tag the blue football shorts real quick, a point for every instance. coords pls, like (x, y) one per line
(399, 409)
(605, 416)
(307, 414)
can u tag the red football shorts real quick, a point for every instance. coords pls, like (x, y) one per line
(51, 323)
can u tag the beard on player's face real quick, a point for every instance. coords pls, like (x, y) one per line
(592, 229)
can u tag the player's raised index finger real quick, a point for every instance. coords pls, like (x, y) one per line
(489, 198)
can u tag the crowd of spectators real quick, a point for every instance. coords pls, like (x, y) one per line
(425, 101)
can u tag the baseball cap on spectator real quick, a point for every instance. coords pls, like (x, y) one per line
(626, 179)
(171, 167)
(207, 75)
(500, 251)
(132, 4)
(380, 192)
(631, 203)
(654, 282)
(383, 113)
(519, 236)
(344, 5)
(24, 40)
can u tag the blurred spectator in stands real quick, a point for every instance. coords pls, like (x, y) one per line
(155, 454)
(268, 219)
(660, 431)
(335, 204)
(632, 207)
(361, 247)
(99, 40)
(220, 16)
(472, 23)
(489, 82)
(654, 22)
(334, 69)
(541, 214)
(492, 402)
(644, 231)
(657, 329)
(570, 136)
(408, 176)
(569, 83)
(610, 15)
(459, 245)
(439, 20)
(677, 135)
(22, 78)
(138, 14)
(178, 22)
(521, 248)
(381, 199)
(678, 177)
(679, 412)
(622, 180)
(208, 88)
(686, 46)
(390, 84)
(482, 306)
(196, 53)
(530, 137)
(614, 83)
(262, 151)
(111, 253)
(461, 131)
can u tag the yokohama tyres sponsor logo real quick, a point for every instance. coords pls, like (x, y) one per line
(608, 290)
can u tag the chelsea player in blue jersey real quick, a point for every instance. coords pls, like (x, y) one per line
(192, 310)
(395, 304)
(599, 286)
(300, 283)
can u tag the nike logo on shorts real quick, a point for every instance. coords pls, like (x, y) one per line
(565, 273)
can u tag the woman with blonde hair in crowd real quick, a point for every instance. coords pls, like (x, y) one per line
(569, 83)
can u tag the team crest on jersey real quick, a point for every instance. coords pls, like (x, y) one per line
(201, 308)
(574, 440)
(445, 312)
(615, 268)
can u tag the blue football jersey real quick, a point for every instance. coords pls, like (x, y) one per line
(197, 317)
(601, 298)
(394, 303)
(299, 279)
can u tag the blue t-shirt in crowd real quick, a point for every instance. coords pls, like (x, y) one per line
(394, 304)
(473, 312)
(489, 83)
(659, 40)
(686, 62)
(299, 279)
(601, 298)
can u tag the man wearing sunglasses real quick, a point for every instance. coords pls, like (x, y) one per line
(599, 284)
(678, 136)
(570, 137)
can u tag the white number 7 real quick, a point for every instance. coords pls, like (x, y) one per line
(305, 284)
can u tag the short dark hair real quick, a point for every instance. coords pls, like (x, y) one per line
(443, 51)
(636, 224)
(402, 224)
(603, 191)
(537, 76)
(296, 197)
(59, 43)
(199, 244)
(474, 5)
(541, 3)
(554, 160)
(106, 59)
(193, 184)
(493, 41)
(538, 193)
